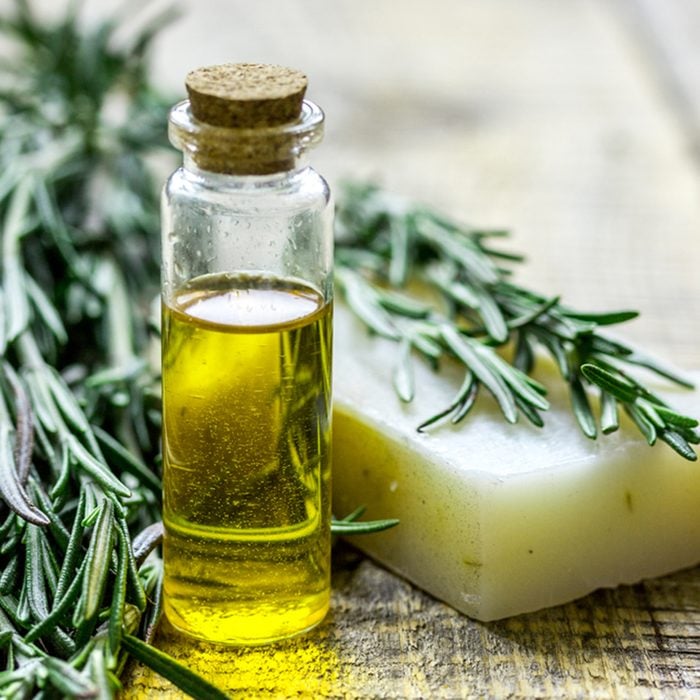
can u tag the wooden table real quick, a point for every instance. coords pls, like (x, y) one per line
(576, 124)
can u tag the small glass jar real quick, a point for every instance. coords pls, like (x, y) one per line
(247, 308)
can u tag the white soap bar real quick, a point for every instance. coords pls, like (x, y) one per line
(501, 519)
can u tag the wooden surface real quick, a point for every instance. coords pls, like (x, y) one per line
(575, 124)
(385, 639)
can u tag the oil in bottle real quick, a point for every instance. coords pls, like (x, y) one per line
(246, 438)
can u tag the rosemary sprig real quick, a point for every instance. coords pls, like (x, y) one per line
(387, 247)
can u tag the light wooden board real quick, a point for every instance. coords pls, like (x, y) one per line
(571, 123)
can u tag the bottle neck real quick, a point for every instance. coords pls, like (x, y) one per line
(195, 168)
(245, 151)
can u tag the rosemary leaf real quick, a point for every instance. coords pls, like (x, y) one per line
(532, 316)
(354, 515)
(116, 611)
(600, 319)
(465, 351)
(524, 358)
(362, 300)
(98, 563)
(96, 469)
(15, 295)
(45, 309)
(128, 559)
(73, 549)
(426, 346)
(24, 428)
(646, 427)
(650, 413)
(609, 419)
(403, 373)
(582, 408)
(351, 525)
(437, 417)
(398, 270)
(153, 614)
(642, 360)
(11, 487)
(402, 304)
(530, 412)
(460, 406)
(468, 394)
(616, 385)
(671, 417)
(9, 575)
(126, 459)
(167, 667)
(679, 444)
(340, 527)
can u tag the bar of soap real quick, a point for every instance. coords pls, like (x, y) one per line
(499, 519)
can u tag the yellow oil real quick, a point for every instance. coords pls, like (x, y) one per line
(246, 450)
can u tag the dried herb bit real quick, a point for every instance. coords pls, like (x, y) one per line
(388, 247)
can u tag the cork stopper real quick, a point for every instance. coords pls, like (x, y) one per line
(246, 95)
(245, 119)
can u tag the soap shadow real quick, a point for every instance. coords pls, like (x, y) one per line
(624, 632)
(622, 639)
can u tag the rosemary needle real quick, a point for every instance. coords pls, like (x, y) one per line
(173, 671)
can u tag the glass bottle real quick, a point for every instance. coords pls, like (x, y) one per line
(246, 352)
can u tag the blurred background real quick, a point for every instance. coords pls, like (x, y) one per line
(574, 124)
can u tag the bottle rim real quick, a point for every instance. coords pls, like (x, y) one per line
(245, 150)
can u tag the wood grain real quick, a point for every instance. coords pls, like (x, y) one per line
(576, 125)
(386, 639)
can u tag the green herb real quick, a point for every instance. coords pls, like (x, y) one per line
(388, 247)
